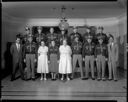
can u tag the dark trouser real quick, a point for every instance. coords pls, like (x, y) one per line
(14, 70)
(89, 60)
(112, 69)
(79, 58)
(101, 64)
(30, 64)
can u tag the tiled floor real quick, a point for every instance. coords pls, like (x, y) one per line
(64, 90)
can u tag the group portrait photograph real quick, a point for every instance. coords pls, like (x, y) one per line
(64, 50)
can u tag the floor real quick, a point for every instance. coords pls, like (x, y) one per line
(75, 89)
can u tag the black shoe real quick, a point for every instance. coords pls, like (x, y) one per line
(52, 79)
(27, 79)
(98, 79)
(93, 78)
(12, 79)
(109, 79)
(115, 79)
(33, 79)
(84, 78)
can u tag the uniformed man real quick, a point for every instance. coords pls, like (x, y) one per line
(75, 33)
(62, 36)
(85, 35)
(77, 55)
(52, 36)
(100, 33)
(30, 57)
(101, 55)
(40, 36)
(88, 56)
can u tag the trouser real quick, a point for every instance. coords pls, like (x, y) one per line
(30, 64)
(89, 60)
(112, 69)
(101, 64)
(79, 58)
(14, 70)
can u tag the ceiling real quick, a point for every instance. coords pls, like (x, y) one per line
(73, 9)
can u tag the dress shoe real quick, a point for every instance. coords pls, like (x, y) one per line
(103, 79)
(33, 79)
(93, 78)
(115, 79)
(98, 79)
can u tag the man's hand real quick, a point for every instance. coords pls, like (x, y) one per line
(106, 59)
(96, 59)
(48, 61)
(58, 61)
(83, 59)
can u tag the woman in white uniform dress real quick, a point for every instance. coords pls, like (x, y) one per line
(42, 66)
(65, 66)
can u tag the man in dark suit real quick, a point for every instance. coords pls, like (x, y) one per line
(17, 54)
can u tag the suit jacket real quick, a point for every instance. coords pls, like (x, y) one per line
(17, 55)
(113, 52)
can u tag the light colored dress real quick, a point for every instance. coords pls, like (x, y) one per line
(65, 65)
(42, 66)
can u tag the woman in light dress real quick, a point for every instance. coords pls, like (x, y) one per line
(65, 66)
(42, 66)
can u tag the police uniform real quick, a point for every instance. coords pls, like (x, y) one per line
(103, 35)
(88, 55)
(77, 55)
(30, 51)
(73, 35)
(51, 37)
(101, 54)
(61, 38)
(40, 37)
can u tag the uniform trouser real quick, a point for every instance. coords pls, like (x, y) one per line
(30, 64)
(101, 64)
(112, 69)
(79, 58)
(89, 60)
(14, 70)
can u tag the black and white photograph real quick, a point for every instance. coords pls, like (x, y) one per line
(64, 50)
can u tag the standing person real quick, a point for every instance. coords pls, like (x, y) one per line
(51, 36)
(85, 35)
(53, 57)
(88, 56)
(30, 57)
(42, 66)
(77, 55)
(17, 55)
(112, 58)
(40, 36)
(101, 33)
(62, 36)
(65, 66)
(74, 34)
(101, 54)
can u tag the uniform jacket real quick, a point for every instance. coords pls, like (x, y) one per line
(88, 49)
(101, 50)
(30, 48)
(76, 47)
